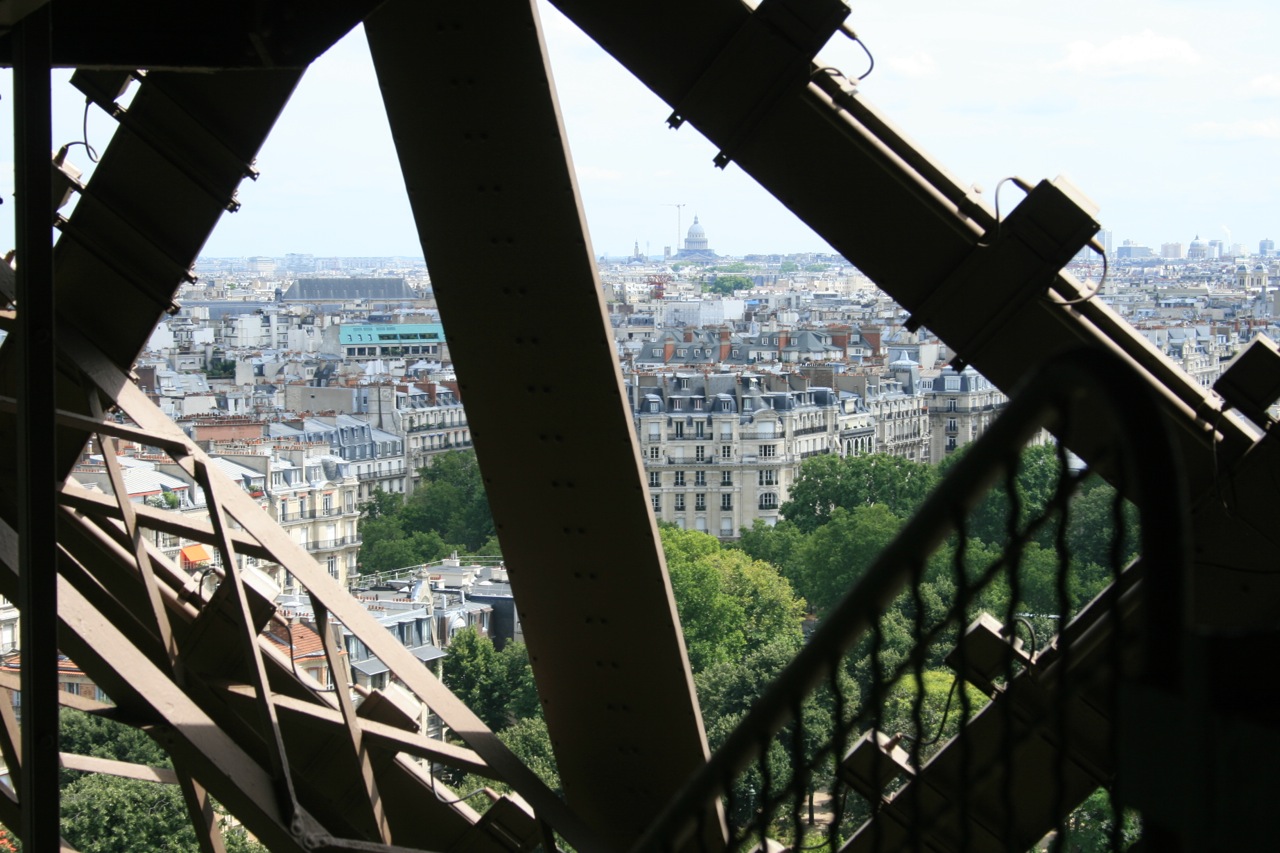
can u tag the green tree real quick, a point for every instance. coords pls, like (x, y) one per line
(725, 285)
(1091, 527)
(381, 504)
(774, 544)
(729, 604)
(221, 368)
(1037, 480)
(827, 482)
(450, 500)
(469, 673)
(387, 546)
(106, 814)
(531, 743)
(941, 709)
(488, 548)
(726, 692)
(788, 266)
(837, 554)
(513, 676)
(497, 685)
(1089, 827)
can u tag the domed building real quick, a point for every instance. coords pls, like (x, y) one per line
(695, 245)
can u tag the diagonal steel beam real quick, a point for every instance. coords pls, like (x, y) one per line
(144, 690)
(483, 154)
(417, 678)
(99, 506)
(203, 817)
(339, 676)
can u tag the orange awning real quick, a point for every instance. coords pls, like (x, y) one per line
(195, 554)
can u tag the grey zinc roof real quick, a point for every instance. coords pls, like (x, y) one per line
(427, 652)
(371, 667)
(348, 289)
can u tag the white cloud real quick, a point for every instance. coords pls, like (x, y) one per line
(1267, 85)
(916, 65)
(1136, 53)
(1231, 131)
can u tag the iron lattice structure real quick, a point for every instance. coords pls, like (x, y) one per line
(483, 155)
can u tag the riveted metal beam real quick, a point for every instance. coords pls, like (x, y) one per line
(483, 153)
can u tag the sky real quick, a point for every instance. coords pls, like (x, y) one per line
(1166, 114)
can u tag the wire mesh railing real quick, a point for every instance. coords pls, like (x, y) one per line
(963, 696)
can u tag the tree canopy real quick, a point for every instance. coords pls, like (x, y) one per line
(828, 482)
(448, 512)
(109, 814)
(497, 685)
(725, 285)
(730, 605)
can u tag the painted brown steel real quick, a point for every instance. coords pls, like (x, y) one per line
(482, 151)
(139, 408)
(339, 674)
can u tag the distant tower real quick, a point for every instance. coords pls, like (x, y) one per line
(1266, 248)
(635, 255)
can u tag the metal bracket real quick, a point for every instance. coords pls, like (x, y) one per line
(1030, 248)
(770, 53)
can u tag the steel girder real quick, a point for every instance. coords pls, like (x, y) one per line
(217, 710)
(492, 188)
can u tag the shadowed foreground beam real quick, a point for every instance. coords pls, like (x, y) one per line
(480, 142)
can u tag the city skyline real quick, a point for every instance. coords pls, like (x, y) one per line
(1168, 124)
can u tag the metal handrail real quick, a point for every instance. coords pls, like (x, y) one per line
(1054, 390)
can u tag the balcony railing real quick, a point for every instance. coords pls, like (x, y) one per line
(298, 515)
(330, 544)
(305, 514)
(379, 475)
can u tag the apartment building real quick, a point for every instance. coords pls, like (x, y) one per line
(961, 405)
(313, 494)
(376, 456)
(722, 450)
